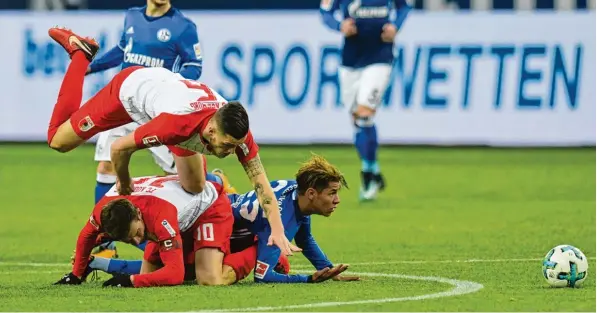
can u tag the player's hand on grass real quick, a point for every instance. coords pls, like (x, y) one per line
(69, 279)
(346, 278)
(118, 280)
(348, 27)
(282, 242)
(388, 33)
(124, 188)
(327, 273)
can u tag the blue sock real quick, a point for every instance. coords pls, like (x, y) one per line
(103, 183)
(367, 144)
(214, 178)
(114, 266)
(101, 189)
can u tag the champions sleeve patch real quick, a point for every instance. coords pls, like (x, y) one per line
(260, 269)
(169, 244)
(197, 49)
(169, 228)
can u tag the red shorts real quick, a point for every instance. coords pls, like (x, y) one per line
(211, 230)
(104, 110)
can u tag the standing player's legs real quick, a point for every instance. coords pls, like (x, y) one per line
(363, 90)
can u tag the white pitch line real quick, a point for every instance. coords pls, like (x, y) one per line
(461, 287)
(309, 265)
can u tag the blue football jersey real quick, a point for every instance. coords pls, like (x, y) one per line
(249, 218)
(366, 47)
(170, 41)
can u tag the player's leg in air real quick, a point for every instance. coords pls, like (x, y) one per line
(362, 90)
(70, 125)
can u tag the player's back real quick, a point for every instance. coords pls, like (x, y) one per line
(168, 188)
(152, 41)
(147, 92)
(250, 216)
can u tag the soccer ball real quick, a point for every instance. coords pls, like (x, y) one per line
(565, 266)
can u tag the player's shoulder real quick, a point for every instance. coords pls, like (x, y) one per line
(184, 20)
(134, 11)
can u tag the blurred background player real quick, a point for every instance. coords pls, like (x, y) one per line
(155, 35)
(367, 57)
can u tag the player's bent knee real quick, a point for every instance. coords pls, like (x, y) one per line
(105, 168)
(208, 266)
(65, 139)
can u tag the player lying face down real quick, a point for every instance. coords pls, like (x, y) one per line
(183, 231)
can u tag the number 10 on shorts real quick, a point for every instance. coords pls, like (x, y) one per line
(205, 232)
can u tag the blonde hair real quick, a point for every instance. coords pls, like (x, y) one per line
(318, 173)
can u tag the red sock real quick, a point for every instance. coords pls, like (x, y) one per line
(242, 262)
(71, 93)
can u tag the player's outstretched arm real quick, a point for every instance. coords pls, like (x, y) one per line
(267, 200)
(85, 243)
(326, 10)
(108, 60)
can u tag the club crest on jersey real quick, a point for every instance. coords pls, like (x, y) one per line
(326, 5)
(151, 141)
(86, 124)
(169, 228)
(164, 35)
(260, 269)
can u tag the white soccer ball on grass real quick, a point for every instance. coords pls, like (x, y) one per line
(565, 266)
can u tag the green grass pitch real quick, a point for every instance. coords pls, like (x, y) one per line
(501, 208)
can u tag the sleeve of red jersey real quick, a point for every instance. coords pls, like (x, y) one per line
(248, 150)
(170, 252)
(167, 129)
(86, 242)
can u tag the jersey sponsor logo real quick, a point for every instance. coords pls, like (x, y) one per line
(260, 269)
(151, 141)
(85, 124)
(141, 59)
(355, 10)
(130, 31)
(326, 5)
(164, 35)
(169, 228)
(169, 244)
(197, 48)
(93, 222)
(200, 105)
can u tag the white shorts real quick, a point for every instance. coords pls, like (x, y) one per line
(161, 155)
(364, 86)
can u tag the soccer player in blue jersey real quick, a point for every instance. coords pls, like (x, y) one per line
(155, 35)
(315, 191)
(367, 57)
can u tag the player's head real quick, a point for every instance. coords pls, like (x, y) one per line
(228, 129)
(319, 182)
(122, 221)
(158, 2)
